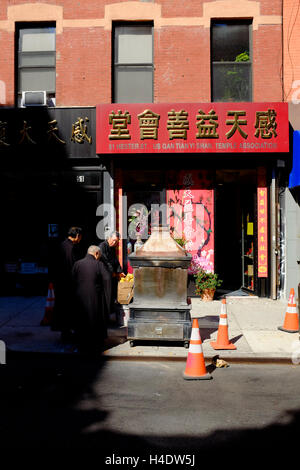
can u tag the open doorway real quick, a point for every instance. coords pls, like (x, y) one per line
(235, 231)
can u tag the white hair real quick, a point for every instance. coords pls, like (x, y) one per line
(111, 234)
(93, 249)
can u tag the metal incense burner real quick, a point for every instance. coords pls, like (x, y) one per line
(160, 310)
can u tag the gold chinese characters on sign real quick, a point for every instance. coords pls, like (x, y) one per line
(265, 124)
(25, 133)
(236, 122)
(177, 124)
(149, 122)
(262, 228)
(207, 130)
(52, 132)
(119, 123)
(80, 132)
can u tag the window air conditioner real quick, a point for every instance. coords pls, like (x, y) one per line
(33, 98)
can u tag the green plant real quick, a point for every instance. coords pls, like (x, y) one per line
(206, 280)
(234, 79)
(180, 241)
(243, 57)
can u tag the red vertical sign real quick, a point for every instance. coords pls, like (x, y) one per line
(262, 226)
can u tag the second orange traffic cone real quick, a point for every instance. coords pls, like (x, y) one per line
(49, 306)
(195, 365)
(222, 338)
(291, 321)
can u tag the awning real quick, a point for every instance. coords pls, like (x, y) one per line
(294, 178)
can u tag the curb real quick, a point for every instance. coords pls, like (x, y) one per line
(247, 359)
(208, 359)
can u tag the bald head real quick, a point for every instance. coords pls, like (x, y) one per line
(94, 251)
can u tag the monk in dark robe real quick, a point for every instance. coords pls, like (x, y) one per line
(63, 316)
(112, 270)
(91, 328)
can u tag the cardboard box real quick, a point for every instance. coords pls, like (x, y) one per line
(125, 292)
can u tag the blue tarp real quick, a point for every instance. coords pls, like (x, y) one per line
(294, 179)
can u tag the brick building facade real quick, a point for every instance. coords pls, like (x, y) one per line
(289, 194)
(179, 61)
(181, 46)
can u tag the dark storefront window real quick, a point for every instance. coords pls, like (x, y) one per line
(231, 61)
(36, 64)
(133, 64)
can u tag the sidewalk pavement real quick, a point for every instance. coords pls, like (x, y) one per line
(252, 325)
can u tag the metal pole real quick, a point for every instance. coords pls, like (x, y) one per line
(273, 236)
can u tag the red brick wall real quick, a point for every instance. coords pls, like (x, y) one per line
(182, 64)
(83, 67)
(291, 66)
(181, 55)
(267, 64)
(182, 8)
(7, 64)
(273, 7)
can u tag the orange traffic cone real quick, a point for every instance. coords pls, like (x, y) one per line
(195, 365)
(291, 321)
(49, 306)
(222, 338)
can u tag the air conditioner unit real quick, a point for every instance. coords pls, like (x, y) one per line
(33, 98)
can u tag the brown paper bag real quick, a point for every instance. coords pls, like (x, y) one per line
(125, 292)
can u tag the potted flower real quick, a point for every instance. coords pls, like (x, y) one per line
(206, 284)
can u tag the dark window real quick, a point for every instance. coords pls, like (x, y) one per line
(36, 60)
(133, 63)
(231, 61)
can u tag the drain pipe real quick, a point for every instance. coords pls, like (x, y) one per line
(273, 236)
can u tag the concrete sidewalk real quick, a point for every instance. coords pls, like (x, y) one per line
(252, 323)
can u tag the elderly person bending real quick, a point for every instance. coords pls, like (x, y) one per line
(91, 327)
(112, 269)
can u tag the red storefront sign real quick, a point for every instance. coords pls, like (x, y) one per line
(192, 128)
(262, 229)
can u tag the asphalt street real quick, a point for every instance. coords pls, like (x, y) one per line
(140, 409)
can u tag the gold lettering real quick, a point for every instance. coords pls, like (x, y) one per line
(119, 122)
(265, 124)
(52, 132)
(177, 124)
(79, 132)
(25, 137)
(262, 269)
(236, 123)
(149, 123)
(207, 130)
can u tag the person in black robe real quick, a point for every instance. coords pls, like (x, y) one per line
(87, 274)
(112, 270)
(63, 316)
